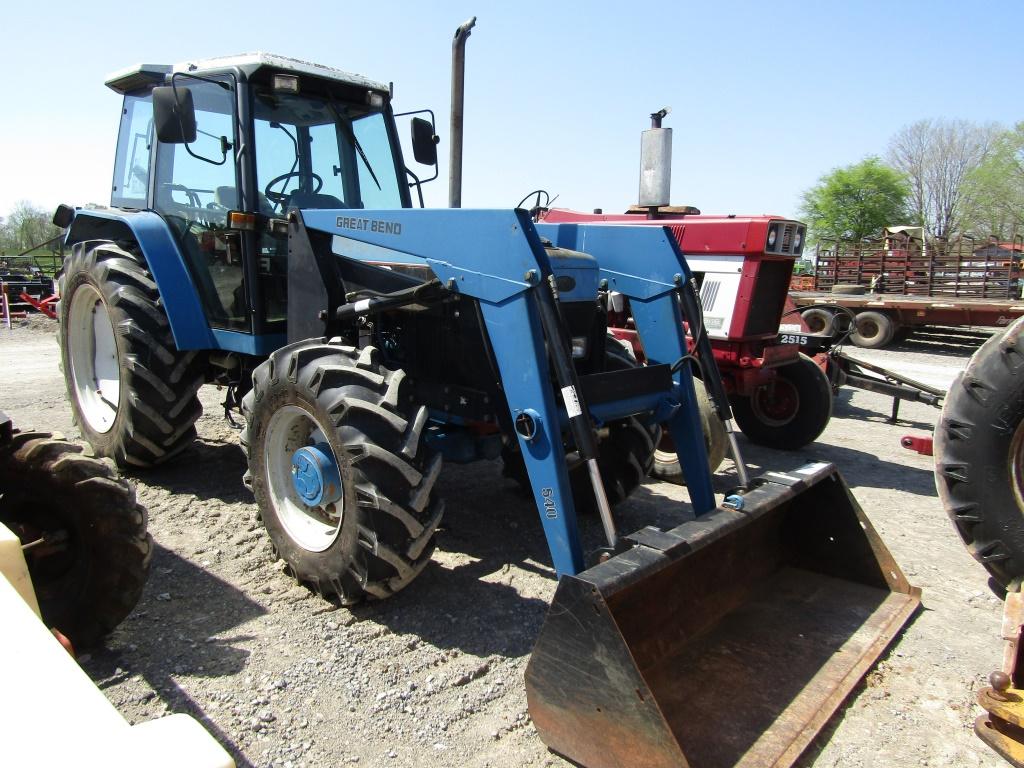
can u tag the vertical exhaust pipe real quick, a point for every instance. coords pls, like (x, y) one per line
(458, 100)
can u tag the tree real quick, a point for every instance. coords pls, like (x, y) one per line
(996, 188)
(854, 202)
(25, 227)
(937, 157)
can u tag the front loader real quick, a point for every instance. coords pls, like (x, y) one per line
(261, 237)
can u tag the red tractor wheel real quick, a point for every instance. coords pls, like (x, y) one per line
(789, 412)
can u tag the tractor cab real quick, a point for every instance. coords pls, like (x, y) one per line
(223, 148)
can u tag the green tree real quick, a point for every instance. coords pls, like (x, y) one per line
(855, 202)
(995, 189)
(25, 227)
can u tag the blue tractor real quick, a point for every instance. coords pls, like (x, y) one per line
(261, 236)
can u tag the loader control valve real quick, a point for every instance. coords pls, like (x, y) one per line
(315, 475)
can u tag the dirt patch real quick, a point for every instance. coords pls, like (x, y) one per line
(434, 677)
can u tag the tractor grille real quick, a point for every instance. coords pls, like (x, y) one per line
(768, 299)
(789, 238)
(709, 294)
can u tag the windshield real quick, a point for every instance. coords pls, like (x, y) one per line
(314, 153)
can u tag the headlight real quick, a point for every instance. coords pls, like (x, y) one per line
(798, 239)
(579, 346)
(773, 234)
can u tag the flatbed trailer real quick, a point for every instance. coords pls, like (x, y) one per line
(879, 316)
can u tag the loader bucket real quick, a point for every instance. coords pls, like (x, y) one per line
(728, 640)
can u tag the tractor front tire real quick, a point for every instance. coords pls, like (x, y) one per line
(376, 533)
(789, 412)
(88, 551)
(132, 393)
(979, 456)
(666, 460)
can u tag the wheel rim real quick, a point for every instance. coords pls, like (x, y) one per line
(1017, 465)
(314, 528)
(815, 322)
(92, 346)
(665, 453)
(775, 404)
(868, 329)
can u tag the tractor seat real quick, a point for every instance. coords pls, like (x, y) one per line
(227, 197)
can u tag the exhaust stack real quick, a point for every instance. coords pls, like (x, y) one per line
(656, 163)
(458, 101)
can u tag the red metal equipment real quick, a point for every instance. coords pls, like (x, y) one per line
(920, 443)
(46, 306)
(743, 265)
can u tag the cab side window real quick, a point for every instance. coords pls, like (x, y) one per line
(196, 187)
(131, 163)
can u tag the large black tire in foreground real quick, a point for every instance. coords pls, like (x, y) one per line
(132, 393)
(716, 442)
(378, 534)
(790, 412)
(91, 554)
(979, 455)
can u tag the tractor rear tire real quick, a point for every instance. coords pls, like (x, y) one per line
(979, 456)
(716, 442)
(790, 412)
(378, 534)
(872, 330)
(90, 570)
(132, 393)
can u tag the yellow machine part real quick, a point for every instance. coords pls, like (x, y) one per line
(43, 688)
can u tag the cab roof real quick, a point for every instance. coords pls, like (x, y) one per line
(140, 75)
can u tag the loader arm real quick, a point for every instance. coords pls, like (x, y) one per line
(499, 260)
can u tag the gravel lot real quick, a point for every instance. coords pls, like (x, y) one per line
(433, 677)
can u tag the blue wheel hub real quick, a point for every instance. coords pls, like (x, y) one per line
(315, 475)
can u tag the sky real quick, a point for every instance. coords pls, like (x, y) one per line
(765, 98)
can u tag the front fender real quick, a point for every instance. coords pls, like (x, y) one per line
(165, 261)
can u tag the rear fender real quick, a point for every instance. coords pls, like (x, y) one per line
(165, 261)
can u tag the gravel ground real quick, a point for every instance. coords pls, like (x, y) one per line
(434, 676)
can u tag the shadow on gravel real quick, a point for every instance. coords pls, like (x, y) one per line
(208, 469)
(476, 606)
(859, 468)
(951, 342)
(182, 627)
(844, 409)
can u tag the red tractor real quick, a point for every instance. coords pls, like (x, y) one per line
(780, 397)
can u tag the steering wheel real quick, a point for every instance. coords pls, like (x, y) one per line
(281, 198)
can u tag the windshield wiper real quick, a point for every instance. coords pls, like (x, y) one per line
(351, 136)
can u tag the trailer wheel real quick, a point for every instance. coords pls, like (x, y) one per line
(872, 330)
(340, 470)
(979, 456)
(789, 412)
(132, 393)
(88, 551)
(666, 460)
(818, 320)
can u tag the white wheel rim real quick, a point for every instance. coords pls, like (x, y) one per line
(92, 347)
(312, 528)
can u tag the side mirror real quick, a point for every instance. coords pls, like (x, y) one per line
(424, 141)
(174, 115)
